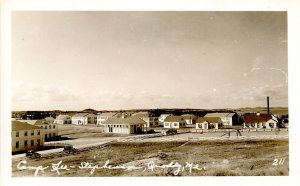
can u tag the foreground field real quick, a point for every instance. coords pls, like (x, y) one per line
(206, 158)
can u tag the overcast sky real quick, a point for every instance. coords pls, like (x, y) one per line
(128, 60)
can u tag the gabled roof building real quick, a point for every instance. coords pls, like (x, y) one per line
(26, 136)
(228, 118)
(174, 122)
(208, 123)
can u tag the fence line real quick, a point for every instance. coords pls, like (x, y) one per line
(166, 139)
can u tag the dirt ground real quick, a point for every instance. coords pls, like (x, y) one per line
(203, 158)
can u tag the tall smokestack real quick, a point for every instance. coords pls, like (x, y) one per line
(268, 104)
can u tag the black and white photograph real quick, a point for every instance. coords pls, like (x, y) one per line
(149, 93)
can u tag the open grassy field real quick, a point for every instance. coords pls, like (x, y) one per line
(214, 158)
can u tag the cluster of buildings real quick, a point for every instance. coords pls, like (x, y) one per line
(127, 123)
(26, 136)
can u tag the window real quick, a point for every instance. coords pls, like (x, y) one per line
(39, 132)
(32, 132)
(49, 126)
(45, 127)
(25, 143)
(175, 124)
(53, 134)
(17, 134)
(25, 134)
(46, 136)
(32, 142)
(53, 126)
(17, 144)
(49, 135)
(38, 142)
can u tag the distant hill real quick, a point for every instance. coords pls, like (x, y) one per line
(89, 110)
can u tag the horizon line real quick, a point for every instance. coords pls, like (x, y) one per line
(155, 109)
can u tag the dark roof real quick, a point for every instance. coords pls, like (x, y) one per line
(17, 125)
(209, 120)
(254, 117)
(174, 119)
(133, 120)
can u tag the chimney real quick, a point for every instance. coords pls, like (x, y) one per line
(268, 104)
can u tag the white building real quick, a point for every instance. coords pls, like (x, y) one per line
(208, 123)
(227, 118)
(62, 119)
(26, 136)
(83, 119)
(174, 122)
(124, 125)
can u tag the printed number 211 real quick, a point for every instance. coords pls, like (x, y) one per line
(278, 161)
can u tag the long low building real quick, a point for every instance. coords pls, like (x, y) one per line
(258, 120)
(128, 125)
(26, 136)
